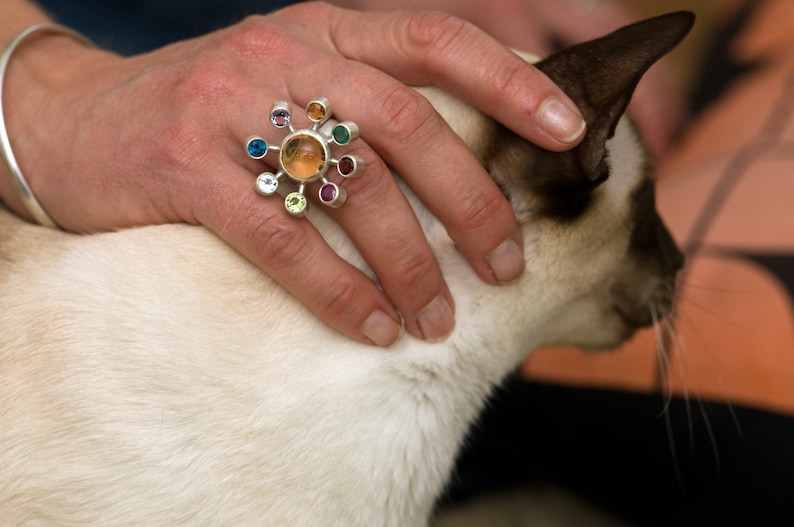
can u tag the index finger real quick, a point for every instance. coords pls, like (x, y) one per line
(428, 48)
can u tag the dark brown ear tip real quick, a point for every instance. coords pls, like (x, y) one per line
(683, 20)
(687, 18)
(682, 14)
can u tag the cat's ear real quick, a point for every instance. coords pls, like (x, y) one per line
(600, 76)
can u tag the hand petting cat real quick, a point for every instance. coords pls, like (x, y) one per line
(157, 138)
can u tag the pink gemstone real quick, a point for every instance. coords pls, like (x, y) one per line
(346, 166)
(328, 193)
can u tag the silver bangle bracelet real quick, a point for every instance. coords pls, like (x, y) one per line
(25, 193)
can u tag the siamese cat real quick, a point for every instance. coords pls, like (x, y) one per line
(153, 376)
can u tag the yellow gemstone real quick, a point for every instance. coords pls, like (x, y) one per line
(303, 157)
(315, 111)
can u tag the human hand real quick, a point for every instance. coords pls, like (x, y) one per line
(541, 26)
(158, 138)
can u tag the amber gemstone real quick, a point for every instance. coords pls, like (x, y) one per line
(316, 111)
(303, 157)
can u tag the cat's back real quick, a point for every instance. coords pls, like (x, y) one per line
(155, 357)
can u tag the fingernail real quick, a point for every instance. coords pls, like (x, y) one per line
(560, 121)
(381, 329)
(506, 261)
(436, 320)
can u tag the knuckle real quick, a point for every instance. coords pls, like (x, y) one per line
(198, 93)
(206, 79)
(509, 78)
(275, 35)
(412, 274)
(432, 31)
(480, 211)
(254, 38)
(279, 240)
(407, 115)
(178, 147)
(340, 297)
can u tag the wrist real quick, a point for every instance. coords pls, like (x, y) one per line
(37, 65)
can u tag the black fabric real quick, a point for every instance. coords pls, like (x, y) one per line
(135, 26)
(652, 461)
(780, 265)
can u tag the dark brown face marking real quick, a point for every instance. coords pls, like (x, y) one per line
(645, 286)
(651, 245)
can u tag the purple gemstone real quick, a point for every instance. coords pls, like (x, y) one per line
(280, 117)
(346, 166)
(328, 192)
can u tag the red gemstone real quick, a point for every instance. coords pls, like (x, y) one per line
(328, 193)
(346, 166)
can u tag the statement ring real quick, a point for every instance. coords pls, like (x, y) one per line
(304, 155)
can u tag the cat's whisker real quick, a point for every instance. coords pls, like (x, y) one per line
(673, 451)
(662, 358)
(706, 350)
(735, 419)
(675, 317)
(712, 288)
(669, 341)
(702, 344)
(712, 313)
(711, 435)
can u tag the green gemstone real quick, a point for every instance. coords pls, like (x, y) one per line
(295, 203)
(341, 135)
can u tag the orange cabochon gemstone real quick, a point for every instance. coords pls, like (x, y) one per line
(303, 157)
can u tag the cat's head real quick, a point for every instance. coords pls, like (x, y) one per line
(599, 257)
(595, 205)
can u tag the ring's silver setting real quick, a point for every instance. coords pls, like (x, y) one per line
(304, 155)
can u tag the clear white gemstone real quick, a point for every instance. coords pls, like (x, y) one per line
(266, 184)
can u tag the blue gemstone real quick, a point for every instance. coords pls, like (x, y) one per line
(257, 148)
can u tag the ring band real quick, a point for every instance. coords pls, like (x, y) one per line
(304, 155)
(20, 183)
